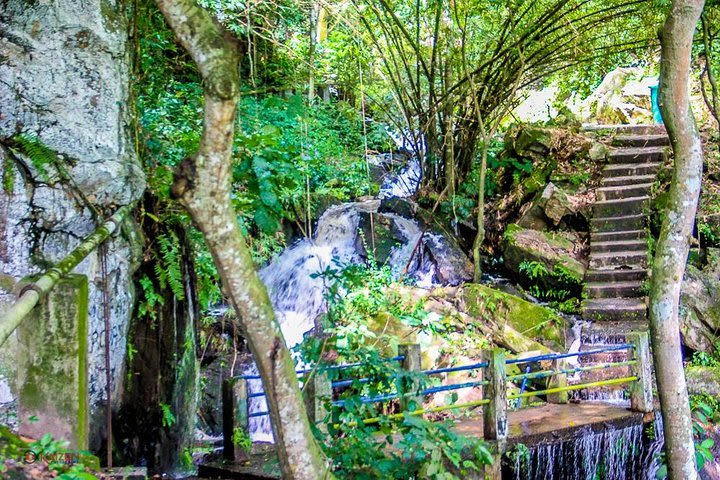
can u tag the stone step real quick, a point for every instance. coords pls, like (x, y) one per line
(606, 373)
(630, 169)
(614, 224)
(623, 191)
(615, 309)
(625, 129)
(647, 140)
(620, 206)
(616, 275)
(619, 235)
(637, 155)
(614, 289)
(627, 180)
(618, 246)
(607, 260)
(610, 332)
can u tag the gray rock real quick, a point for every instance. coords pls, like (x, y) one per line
(553, 249)
(452, 266)
(64, 75)
(548, 208)
(700, 308)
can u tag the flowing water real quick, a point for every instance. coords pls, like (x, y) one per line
(297, 289)
(620, 454)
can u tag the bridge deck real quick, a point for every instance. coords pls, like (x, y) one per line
(545, 424)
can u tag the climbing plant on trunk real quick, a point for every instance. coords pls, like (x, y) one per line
(202, 185)
(674, 243)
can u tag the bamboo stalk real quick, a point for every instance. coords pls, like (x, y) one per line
(33, 292)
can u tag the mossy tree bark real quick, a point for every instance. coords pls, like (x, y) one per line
(674, 243)
(203, 185)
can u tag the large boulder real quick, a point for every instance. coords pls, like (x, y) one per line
(529, 142)
(622, 97)
(520, 324)
(452, 265)
(561, 253)
(65, 73)
(550, 207)
(700, 306)
(703, 380)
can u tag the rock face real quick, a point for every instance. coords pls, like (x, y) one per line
(64, 72)
(700, 306)
(525, 320)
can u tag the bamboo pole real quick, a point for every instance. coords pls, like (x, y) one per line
(33, 292)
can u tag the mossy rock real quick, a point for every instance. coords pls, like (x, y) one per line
(703, 380)
(524, 319)
(552, 249)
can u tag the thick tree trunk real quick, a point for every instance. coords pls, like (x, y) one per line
(674, 243)
(203, 186)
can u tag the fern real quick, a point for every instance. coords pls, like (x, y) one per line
(168, 270)
(40, 155)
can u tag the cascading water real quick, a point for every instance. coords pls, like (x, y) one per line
(625, 453)
(298, 292)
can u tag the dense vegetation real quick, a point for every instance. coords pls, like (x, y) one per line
(323, 90)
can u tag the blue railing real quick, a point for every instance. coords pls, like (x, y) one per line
(528, 375)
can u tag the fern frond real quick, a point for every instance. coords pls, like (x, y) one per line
(169, 268)
(41, 156)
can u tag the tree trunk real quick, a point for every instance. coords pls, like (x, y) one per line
(480, 237)
(674, 243)
(203, 185)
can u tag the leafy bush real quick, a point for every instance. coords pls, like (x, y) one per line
(559, 286)
(359, 297)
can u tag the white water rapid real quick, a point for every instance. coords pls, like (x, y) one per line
(298, 292)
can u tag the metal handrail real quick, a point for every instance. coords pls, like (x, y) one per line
(33, 292)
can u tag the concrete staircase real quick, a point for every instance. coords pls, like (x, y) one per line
(614, 284)
(618, 240)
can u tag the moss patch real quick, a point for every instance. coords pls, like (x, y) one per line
(531, 320)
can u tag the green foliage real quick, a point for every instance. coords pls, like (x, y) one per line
(361, 303)
(168, 417)
(415, 448)
(168, 270)
(186, 459)
(150, 299)
(710, 234)
(8, 176)
(559, 286)
(519, 455)
(241, 439)
(705, 410)
(48, 450)
(465, 202)
(41, 156)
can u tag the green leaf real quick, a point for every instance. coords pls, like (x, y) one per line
(265, 220)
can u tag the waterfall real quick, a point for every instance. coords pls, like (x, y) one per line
(631, 452)
(296, 289)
